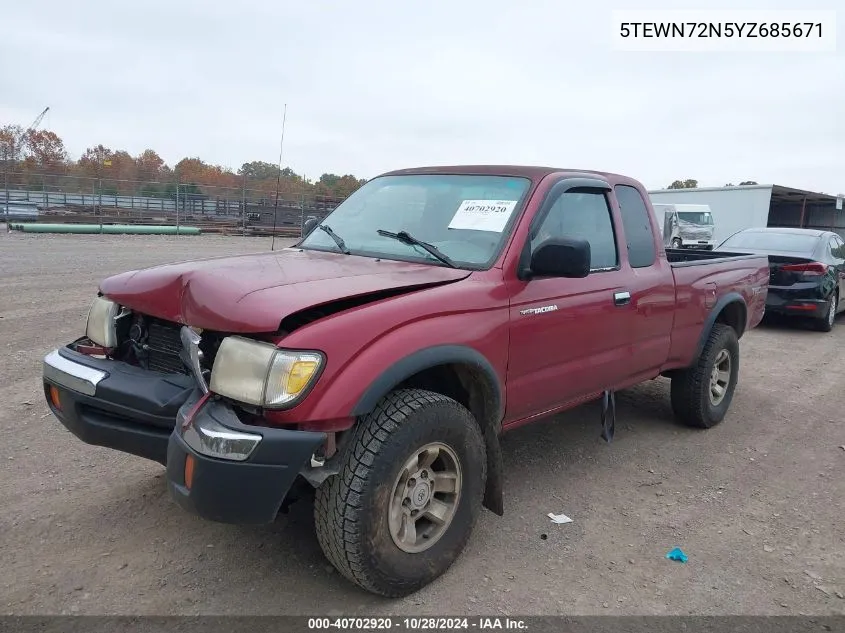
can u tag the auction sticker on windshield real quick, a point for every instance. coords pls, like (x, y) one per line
(483, 215)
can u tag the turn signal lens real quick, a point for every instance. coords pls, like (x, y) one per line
(189, 471)
(290, 373)
(300, 375)
(54, 397)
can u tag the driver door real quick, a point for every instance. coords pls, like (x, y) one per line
(570, 338)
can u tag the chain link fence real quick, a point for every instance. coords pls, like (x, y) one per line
(248, 210)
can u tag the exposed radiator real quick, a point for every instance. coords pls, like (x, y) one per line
(165, 343)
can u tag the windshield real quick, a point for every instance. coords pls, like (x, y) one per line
(466, 217)
(696, 217)
(773, 241)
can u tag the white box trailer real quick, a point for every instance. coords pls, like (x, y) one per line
(735, 208)
(732, 208)
(686, 225)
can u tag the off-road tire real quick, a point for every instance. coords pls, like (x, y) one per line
(351, 508)
(690, 390)
(825, 324)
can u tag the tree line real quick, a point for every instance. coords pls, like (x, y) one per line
(690, 183)
(37, 158)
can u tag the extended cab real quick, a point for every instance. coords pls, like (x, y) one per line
(379, 360)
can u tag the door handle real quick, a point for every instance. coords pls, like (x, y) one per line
(621, 298)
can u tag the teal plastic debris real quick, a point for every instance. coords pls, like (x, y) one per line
(678, 555)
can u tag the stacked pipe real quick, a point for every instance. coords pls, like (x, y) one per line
(111, 229)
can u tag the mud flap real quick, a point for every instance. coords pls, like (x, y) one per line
(494, 491)
(608, 416)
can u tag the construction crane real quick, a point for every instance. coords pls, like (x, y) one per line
(37, 121)
(32, 127)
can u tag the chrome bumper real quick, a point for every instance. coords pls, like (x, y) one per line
(71, 375)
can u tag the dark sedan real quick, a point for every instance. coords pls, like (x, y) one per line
(807, 270)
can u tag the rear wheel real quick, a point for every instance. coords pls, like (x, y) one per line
(826, 323)
(702, 394)
(407, 496)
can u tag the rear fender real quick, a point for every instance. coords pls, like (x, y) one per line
(732, 310)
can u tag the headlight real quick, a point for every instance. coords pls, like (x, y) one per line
(260, 374)
(101, 326)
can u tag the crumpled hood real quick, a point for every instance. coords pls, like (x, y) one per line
(253, 293)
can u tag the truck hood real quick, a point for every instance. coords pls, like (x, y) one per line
(253, 293)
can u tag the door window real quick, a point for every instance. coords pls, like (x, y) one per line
(837, 248)
(583, 215)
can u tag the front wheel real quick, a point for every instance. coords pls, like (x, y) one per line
(677, 243)
(701, 394)
(407, 496)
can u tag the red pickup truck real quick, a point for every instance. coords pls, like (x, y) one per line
(378, 361)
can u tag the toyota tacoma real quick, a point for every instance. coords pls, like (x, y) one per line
(379, 360)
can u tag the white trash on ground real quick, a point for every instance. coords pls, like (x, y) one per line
(559, 518)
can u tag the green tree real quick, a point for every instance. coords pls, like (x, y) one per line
(261, 170)
(684, 184)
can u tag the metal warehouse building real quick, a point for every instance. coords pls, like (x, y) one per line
(743, 207)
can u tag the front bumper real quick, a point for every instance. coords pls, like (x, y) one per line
(113, 404)
(130, 409)
(249, 491)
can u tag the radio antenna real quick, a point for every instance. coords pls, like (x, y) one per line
(279, 178)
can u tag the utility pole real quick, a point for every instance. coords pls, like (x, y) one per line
(177, 205)
(6, 188)
(243, 206)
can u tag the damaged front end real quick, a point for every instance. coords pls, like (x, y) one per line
(187, 398)
(227, 471)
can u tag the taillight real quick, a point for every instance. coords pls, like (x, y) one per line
(812, 269)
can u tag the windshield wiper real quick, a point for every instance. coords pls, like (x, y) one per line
(337, 239)
(431, 249)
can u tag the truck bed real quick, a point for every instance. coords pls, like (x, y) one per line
(702, 280)
(693, 257)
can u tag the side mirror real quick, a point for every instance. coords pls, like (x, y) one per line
(310, 223)
(561, 257)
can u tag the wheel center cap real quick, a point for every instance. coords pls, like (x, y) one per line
(420, 495)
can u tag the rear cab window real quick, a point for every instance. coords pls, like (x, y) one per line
(636, 221)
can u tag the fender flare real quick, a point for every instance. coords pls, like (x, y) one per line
(710, 321)
(443, 355)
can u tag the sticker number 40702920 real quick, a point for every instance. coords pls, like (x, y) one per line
(483, 215)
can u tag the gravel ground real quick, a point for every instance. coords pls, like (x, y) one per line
(756, 503)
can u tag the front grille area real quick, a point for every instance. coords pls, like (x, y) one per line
(164, 343)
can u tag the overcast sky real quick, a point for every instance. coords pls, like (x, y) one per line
(373, 86)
